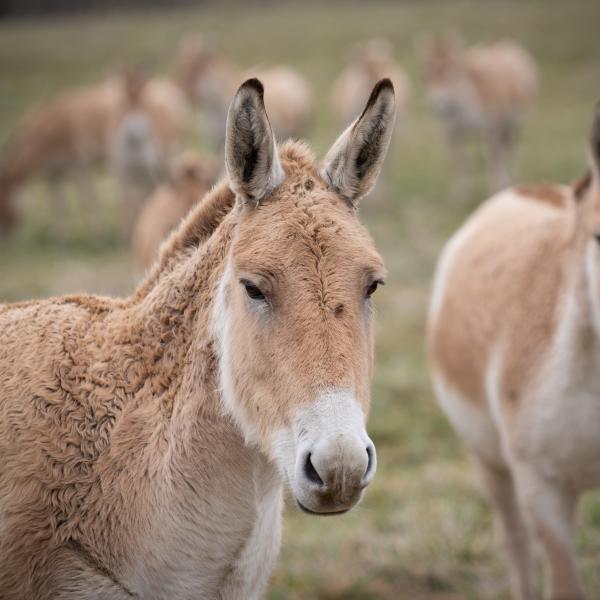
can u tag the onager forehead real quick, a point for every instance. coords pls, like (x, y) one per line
(304, 227)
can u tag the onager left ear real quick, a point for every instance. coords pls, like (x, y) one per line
(353, 163)
(251, 155)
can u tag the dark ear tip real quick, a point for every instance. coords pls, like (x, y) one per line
(385, 83)
(381, 86)
(253, 84)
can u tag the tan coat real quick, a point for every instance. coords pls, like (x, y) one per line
(514, 346)
(76, 130)
(482, 91)
(145, 441)
(370, 62)
(192, 178)
(209, 78)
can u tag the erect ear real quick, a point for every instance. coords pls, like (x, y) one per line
(251, 156)
(589, 184)
(353, 163)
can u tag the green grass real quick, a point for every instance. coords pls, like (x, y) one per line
(423, 530)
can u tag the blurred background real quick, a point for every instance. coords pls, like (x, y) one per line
(107, 121)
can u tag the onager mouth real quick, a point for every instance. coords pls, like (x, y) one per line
(333, 458)
(330, 513)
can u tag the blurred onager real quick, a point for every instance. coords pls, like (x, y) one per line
(482, 92)
(191, 178)
(209, 78)
(147, 127)
(370, 61)
(124, 121)
(145, 441)
(514, 341)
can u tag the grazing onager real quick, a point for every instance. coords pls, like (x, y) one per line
(514, 341)
(370, 61)
(209, 78)
(67, 133)
(192, 176)
(145, 441)
(483, 92)
(79, 129)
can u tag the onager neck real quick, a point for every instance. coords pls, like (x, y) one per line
(170, 312)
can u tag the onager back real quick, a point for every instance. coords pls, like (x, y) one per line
(145, 441)
(191, 178)
(483, 91)
(370, 61)
(514, 343)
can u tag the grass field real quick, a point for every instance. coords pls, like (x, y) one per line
(423, 531)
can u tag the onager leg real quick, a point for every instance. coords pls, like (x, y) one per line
(60, 203)
(551, 508)
(459, 171)
(499, 138)
(515, 536)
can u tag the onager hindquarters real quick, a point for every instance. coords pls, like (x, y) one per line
(145, 441)
(191, 178)
(514, 341)
(208, 78)
(483, 91)
(371, 61)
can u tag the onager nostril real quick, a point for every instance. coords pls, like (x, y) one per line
(370, 461)
(311, 472)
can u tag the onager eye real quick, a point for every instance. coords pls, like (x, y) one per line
(372, 287)
(253, 291)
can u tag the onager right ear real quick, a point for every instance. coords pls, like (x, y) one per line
(251, 155)
(354, 162)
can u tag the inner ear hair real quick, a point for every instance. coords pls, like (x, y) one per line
(373, 137)
(250, 150)
(354, 162)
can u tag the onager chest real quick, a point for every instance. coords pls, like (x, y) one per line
(565, 406)
(215, 536)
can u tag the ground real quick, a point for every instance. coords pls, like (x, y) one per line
(423, 531)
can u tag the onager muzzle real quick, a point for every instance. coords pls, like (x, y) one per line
(335, 459)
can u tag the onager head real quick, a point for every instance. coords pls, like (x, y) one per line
(373, 55)
(192, 176)
(293, 312)
(142, 133)
(202, 72)
(444, 70)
